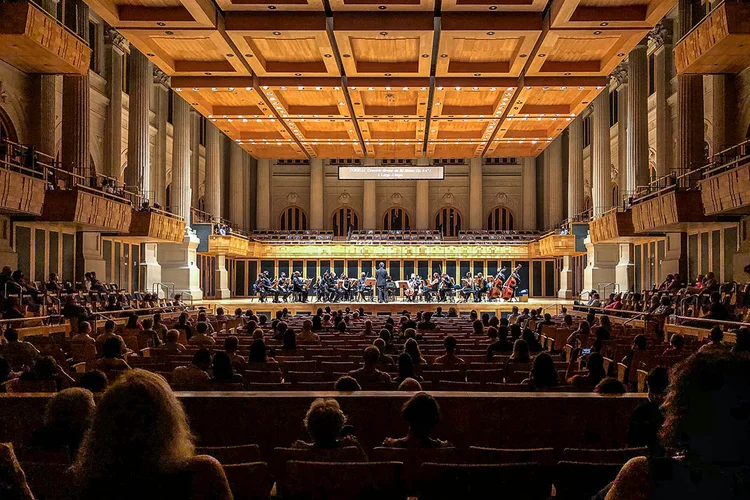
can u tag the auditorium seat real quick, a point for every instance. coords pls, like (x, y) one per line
(249, 481)
(266, 377)
(528, 481)
(484, 376)
(482, 455)
(517, 372)
(35, 386)
(47, 481)
(413, 458)
(283, 456)
(230, 455)
(345, 480)
(610, 456)
(582, 480)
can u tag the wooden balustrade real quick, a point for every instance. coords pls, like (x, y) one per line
(611, 226)
(670, 211)
(718, 44)
(21, 193)
(87, 208)
(229, 244)
(35, 42)
(557, 245)
(727, 192)
(155, 226)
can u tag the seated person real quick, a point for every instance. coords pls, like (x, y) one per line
(345, 383)
(502, 344)
(112, 360)
(172, 343)
(231, 344)
(422, 413)
(18, 353)
(594, 373)
(46, 368)
(201, 337)
(369, 375)
(324, 422)
(195, 373)
(67, 417)
(449, 359)
(716, 341)
(109, 332)
(648, 417)
(385, 362)
(223, 371)
(543, 373)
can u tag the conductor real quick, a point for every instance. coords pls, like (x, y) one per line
(380, 279)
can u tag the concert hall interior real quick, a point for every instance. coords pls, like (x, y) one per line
(480, 189)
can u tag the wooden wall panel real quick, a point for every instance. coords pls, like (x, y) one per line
(611, 226)
(727, 192)
(21, 193)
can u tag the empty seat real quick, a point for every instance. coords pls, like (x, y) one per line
(345, 480)
(413, 458)
(484, 376)
(249, 481)
(581, 480)
(605, 456)
(543, 456)
(229, 455)
(282, 456)
(449, 481)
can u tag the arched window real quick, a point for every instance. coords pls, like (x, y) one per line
(587, 205)
(202, 203)
(448, 221)
(500, 218)
(342, 218)
(615, 195)
(7, 131)
(396, 219)
(293, 218)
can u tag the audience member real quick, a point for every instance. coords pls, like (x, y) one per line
(196, 372)
(201, 337)
(67, 418)
(324, 422)
(543, 373)
(648, 417)
(346, 383)
(369, 376)
(422, 414)
(716, 341)
(18, 353)
(449, 359)
(223, 371)
(112, 360)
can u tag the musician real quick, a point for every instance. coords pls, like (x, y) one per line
(447, 285)
(481, 287)
(411, 288)
(381, 276)
(468, 287)
(331, 286)
(340, 292)
(363, 289)
(299, 287)
(260, 289)
(432, 287)
(390, 288)
(511, 285)
(269, 289)
(320, 289)
(282, 287)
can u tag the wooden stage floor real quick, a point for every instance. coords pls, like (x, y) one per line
(497, 308)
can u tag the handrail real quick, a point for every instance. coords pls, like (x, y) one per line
(608, 312)
(644, 313)
(32, 318)
(672, 320)
(615, 286)
(158, 286)
(185, 292)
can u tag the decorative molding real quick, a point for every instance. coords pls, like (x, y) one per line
(501, 198)
(115, 38)
(3, 94)
(396, 198)
(161, 78)
(660, 35)
(345, 198)
(292, 198)
(620, 74)
(449, 198)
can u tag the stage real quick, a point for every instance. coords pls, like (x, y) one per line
(374, 308)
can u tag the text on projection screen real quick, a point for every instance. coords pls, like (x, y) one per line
(394, 172)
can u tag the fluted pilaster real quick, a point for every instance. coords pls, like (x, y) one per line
(601, 155)
(195, 145)
(689, 104)
(529, 193)
(662, 40)
(161, 109)
(137, 173)
(237, 174)
(114, 48)
(637, 159)
(554, 190)
(213, 170)
(317, 176)
(263, 194)
(475, 194)
(181, 185)
(575, 167)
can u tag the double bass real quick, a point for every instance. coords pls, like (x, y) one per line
(496, 287)
(510, 285)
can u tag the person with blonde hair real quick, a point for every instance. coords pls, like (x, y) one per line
(140, 446)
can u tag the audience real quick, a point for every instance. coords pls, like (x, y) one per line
(223, 371)
(422, 414)
(196, 372)
(369, 376)
(67, 418)
(324, 423)
(140, 446)
(449, 359)
(716, 341)
(112, 360)
(345, 383)
(648, 417)
(543, 373)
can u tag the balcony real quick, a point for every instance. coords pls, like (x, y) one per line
(725, 183)
(22, 181)
(90, 209)
(670, 204)
(156, 225)
(718, 44)
(614, 226)
(557, 244)
(35, 42)
(231, 245)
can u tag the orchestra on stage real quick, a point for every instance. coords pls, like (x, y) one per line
(440, 288)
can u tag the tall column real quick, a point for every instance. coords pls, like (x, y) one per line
(689, 103)
(137, 173)
(601, 155)
(76, 100)
(161, 110)
(423, 199)
(369, 201)
(181, 181)
(213, 170)
(46, 87)
(719, 110)
(236, 185)
(554, 190)
(619, 78)
(263, 195)
(317, 178)
(195, 146)
(637, 165)
(529, 193)
(575, 167)
(476, 207)
(662, 39)
(115, 46)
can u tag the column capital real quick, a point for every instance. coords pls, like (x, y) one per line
(619, 75)
(660, 35)
(115, 39)
(161, 78)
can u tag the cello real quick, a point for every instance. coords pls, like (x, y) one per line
(510, 285)
(496, 288)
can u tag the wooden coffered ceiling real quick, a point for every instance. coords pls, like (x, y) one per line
(386, 78)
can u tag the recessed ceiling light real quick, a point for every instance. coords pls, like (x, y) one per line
(150, 54)
(425, 55)
(161, 24)
(542, 55)
(493, 7)
(621, 54)
(597, 32)
(490, 33)
(277, 33)
(383, 33)
(604, 24)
